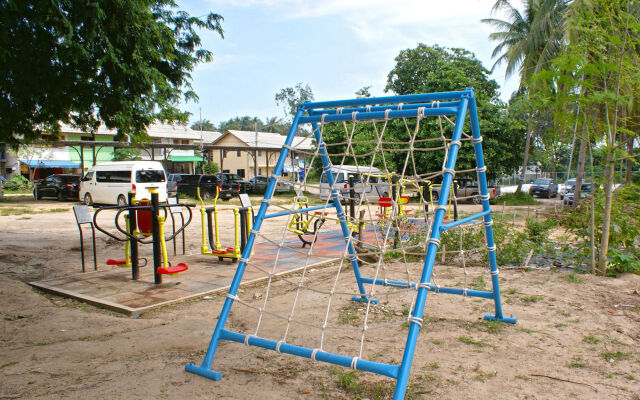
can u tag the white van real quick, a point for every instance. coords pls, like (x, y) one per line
(110, 182)
(377, 186)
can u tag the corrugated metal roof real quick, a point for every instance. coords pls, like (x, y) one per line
(268, 139)
(155, 131)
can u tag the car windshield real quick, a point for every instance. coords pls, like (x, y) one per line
(69, 178)
(542, 181)
(233, 177)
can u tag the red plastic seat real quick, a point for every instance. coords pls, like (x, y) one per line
(385, 202)
(174, 269)
(321, 212)
(382, 215)
(230, 249)
(143, 217)
(116, 262)
(219, 251)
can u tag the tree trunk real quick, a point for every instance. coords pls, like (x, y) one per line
(629, 169)
(525, 161)
(580, 171)
(609, 173)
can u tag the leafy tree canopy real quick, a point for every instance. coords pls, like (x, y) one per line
(121, 63)
(437, 69)
(247, 123)
(290, 98)
(204, 125)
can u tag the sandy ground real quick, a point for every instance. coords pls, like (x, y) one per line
(577, 336)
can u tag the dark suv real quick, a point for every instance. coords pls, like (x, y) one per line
(544, 187)
(61, 186)
(233, 179)
(188, 184)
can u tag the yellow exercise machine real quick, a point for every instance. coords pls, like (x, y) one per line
(242, 218)
(301, 221)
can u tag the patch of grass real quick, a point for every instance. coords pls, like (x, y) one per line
(532, 299)
(482, 375)
(492, 326)
(478, 283)
(6, 211)
(590, 338)
(432, 366)
(574, 278)
(471, 341)
(515, 199)
(614, 355)
(523, 377)
(349, 381)
(510, 291)
(526, 330)
(435, 341)
(630, 377)
(576, 362)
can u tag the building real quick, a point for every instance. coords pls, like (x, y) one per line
(251, 162)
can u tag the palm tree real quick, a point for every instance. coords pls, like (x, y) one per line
(528, 41)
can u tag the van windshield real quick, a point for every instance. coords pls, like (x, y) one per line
(149, 176)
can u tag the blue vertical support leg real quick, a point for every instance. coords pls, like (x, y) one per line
(488, 222)
(433, 244)
(326, 168)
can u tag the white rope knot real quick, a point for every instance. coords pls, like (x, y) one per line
(453, 143)
(354, 117)
(339, 110)
(436, 104)
(386, 114)
(434, 241)
(423, 285)
(278, 345)
(439, 207)
(367, 108)
(449, 170)
(354, 363)
(492, 248)
(464, 291)
(482, 169)
(420, 113)
(313, 354)
(485, 197)
(437, 288)
(495, 272)
(415, 320)
(243, 260)
(276, 177)
(322, 118)
(286, 146)
(488, 223)
(266, 201)
(477, 140)
(232, 296)
(400, 106)
(246, 339)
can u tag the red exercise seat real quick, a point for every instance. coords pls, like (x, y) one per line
(382, 215)
(385, 202)
(174, 269)
(321, 212)
(143, 217)
(116, 262)
(219, 251)
(230, 249)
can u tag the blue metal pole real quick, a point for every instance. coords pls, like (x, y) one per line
(298, 211)
(407, 98)
(326, 168)
(432, 288)
(412, 106)
(205, 368)
(434, 241)
(364, 116)
(488, 222)
(463, 220)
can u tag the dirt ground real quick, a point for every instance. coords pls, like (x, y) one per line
(577, 336)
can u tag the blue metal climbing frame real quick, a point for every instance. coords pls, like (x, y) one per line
(456, 104)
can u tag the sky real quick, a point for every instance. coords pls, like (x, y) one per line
(335, 46)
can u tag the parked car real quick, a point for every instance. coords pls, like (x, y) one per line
(110, 182)
(259, 184)
(59, 186)
(188, 184)
(544, 187)
(233, 179)
(585, 191)
(566, 186)
(466, 189)
(368, 181)
(172, 183)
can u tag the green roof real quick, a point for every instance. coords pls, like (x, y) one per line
(185, 158)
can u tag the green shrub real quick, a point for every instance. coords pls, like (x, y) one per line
(619, 262)
(536, 231)
(17, 183)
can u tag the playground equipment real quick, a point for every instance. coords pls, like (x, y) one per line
(145, 225)
(369, 138)
(83, 217)
(300, 222)
(242, 221)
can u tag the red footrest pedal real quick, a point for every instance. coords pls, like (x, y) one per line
(116, 262)
(174, 269)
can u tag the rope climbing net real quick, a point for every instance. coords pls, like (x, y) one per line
(382, 210)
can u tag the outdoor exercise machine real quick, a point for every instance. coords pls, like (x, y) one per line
(300, 222)
(242, 221)
(144, 224)
(83, 217)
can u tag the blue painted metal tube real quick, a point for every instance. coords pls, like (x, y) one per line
(326, 167)
(484, 192)
(364, 116)
(237, 278)
(427, 271)
(432, 288)
(414, 106)
(463, 220)
(407, 98)
(325, 356)
(283, 213)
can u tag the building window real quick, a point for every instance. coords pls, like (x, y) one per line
(176, 141)
(259, 171)
(238, 153)
(259, 153)
(224, 154)
(240, 172)
(225, 171)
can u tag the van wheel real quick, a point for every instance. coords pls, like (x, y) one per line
(122, 201)
(435, 196)
(476, 198)
(87, 199)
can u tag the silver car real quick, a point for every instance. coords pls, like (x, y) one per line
(259, 184)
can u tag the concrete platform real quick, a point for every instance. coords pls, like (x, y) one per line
(111, 287)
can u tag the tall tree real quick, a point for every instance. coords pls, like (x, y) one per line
(121, 63)
(204, 125)
(291, 97)
(528, 41)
